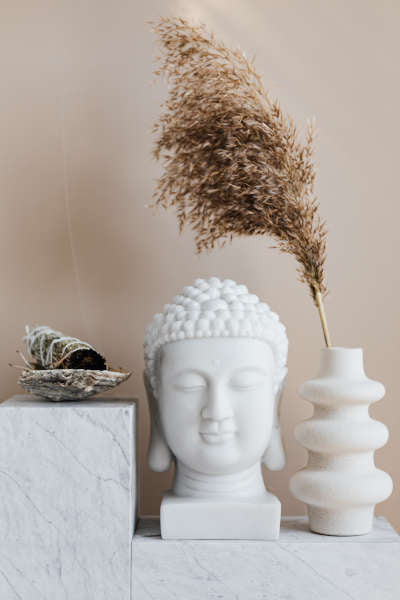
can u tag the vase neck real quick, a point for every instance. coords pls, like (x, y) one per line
(342, 362)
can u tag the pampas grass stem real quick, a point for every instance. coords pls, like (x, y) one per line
(322, 316)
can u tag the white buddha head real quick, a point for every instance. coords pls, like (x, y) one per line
(215, 366)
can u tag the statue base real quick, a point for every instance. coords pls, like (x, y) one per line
(184, 518)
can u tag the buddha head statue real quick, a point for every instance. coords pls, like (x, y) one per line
(215, 363)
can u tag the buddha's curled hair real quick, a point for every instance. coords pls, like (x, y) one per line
(214, 308)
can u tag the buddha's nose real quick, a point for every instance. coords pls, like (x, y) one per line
(218, 405)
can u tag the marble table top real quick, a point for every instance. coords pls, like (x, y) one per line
(301, 565)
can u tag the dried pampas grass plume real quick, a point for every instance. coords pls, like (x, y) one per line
(233, 163)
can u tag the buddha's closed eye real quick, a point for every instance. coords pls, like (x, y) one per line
(190, 382)
(247, 379)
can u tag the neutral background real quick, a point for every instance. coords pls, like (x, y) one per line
(80, 251)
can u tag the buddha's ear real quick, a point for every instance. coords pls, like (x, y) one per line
(274, 457)
(159, 456)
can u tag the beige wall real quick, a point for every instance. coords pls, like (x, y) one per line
(78, 248)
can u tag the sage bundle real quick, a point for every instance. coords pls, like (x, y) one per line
(233, 162)
(51, 349)
(64, 367)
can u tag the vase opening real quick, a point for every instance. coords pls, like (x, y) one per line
(342, 362)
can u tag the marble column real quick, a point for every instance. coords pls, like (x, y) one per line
(67, 499)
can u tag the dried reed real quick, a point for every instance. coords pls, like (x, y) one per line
(233, 163)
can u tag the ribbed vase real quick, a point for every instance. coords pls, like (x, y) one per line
(340, 483)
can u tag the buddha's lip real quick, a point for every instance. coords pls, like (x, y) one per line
(218, 432)
(217, 438)
(217, 427)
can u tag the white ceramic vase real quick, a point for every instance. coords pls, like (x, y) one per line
(340, 483)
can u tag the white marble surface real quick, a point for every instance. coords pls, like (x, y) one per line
(299, 566)
(67, 499)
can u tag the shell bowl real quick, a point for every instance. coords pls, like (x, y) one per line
(70, 384)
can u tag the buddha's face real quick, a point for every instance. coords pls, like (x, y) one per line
(216, 402)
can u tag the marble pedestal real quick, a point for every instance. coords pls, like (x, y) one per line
(211, 519)
(67, 499)
(301, 565)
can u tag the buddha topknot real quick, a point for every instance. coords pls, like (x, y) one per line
(215, 308)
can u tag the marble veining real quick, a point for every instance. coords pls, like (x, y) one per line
(301, 565)
(293, 529)
(67, 499)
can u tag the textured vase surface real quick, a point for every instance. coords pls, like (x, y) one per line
(340, 484)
